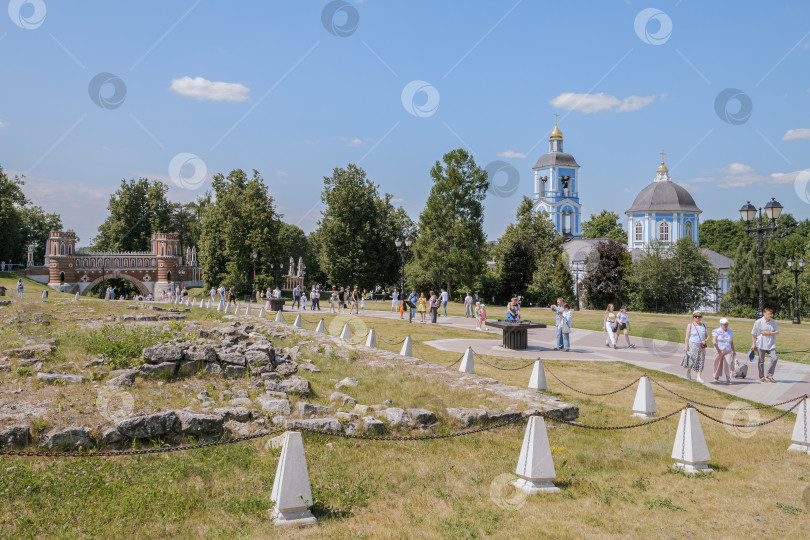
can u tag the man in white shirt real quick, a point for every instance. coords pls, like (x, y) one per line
(468, 305)
(445, 297)
(763, 337)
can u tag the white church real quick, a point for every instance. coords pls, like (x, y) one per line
(662, 211)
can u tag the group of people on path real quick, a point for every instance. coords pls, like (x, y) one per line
(763, 343)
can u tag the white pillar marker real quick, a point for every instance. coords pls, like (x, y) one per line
(188, 302)
(346, 333)
(236, 310)
(76, 298)
(202, 303)
(279, 318)
(247, 310)
(297, 322)
(321, 329)
(689, 450)
(292, 491)
(371, 340)
(538, 379)
(535, 467)
(799, 440)
(644, 404)
(407, 347)
(262, 313)
(468, 362)
(220, 307)
(228, 308)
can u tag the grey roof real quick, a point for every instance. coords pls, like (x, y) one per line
(579, 248)
(718, 261)
(664, 197)
(556, 159)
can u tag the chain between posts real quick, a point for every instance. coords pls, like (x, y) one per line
(747, 425)
(392, 342)
(481, 357)
(589, 394)
(773, 405)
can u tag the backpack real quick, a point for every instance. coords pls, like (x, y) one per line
(740, 370)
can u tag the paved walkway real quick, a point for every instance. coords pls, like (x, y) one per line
(793, 379)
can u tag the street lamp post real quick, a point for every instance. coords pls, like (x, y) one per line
(796, 270)
(253, 291)
(403, 251)
(749, 213)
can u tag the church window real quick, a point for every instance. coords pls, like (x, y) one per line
(62, 248)
(639, 232)
(687, 229)
(663, 231)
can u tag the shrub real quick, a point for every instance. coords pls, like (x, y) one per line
(119, 345)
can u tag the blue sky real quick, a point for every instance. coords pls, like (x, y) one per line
(284, 89)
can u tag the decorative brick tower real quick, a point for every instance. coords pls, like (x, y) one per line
(61, 254)
(166, 247)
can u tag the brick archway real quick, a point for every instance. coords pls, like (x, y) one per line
(135, 281)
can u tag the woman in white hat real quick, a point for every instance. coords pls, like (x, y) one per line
(695, 347)
(723, 338)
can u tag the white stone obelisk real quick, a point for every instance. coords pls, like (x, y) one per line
(538, 379)
(292, 491)
(236, 310)
(297, 322)
(220, 306)
(76, 298)
(644, 404)
(801, 429)
(371, 340)
(346, 333)
(247, 310)
(228, 308)
(689, 450)
(407, 347)
(468, 362)
(262, 313)
(321, 329)
(279, 318)
(202, 303)
(535, 467)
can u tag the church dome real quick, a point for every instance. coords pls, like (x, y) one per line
(664, 197)
(556, 159)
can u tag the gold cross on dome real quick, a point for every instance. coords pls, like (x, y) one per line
(555, 119)
(662, 156)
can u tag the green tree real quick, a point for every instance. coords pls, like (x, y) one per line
(451, 248)
(136, 210)
(722, 235)
(607, 279)
(605, 225)
(36, 227)
(12, 237)
(561, 279)
(241, 220)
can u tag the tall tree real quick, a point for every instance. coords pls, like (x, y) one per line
(242, 220)
(12, 237)
(722, 235)
(36, 227)
(451, 246)
(561, 279)
(353, 235)
(607, 279)
(137, 209)
(604, 225)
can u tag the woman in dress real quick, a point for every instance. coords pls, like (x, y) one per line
(723, 339)
(421, 307)
(481, 322)
(623, 326)
(609, 323)
(695, 346)
(567, 319)
(268, 294)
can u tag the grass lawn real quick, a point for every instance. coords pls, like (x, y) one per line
(614, 483)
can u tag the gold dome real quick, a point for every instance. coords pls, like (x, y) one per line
(662, 168)
(556, 134)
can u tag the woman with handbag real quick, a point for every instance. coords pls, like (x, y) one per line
(723, 339)
(695, 347)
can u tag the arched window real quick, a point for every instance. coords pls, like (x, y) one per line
(61, 277)
(162, 249)
(663, 231)
(116, 263)
(62, 248)
(126, 263)
(154, 262)
(687, 230)
(169, 276)
(70, 249)
(639, 231)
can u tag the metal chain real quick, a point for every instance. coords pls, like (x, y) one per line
(481, 357)
(108, 453)
(773, 405)
(588, 393)
(747, 425)
(804, 410)
(392, 342)
(422, 357)
(612, 428)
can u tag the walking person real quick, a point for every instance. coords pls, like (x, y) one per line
(763, 337)
(558, 310)
(341, 300)
(303, 303)
(723, 339)
(232, 295)
(481, 322)
(623, 326)
(434, 307)
(394, 300)
(695, 347)
(332, 303)
(421, 307)
(413, 299)
(445, 299)
(268, 295)
(20, 288)
(296, 297)
(609, 324)
(468, 305)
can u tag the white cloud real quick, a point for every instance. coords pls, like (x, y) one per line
(397, 200)
(591, 103)
(353, 143)
(3, 124)
(511, 154)
(628, 190)
(801, 133)
(311, 142)
(281, 173)
(205, 90)
(736, 168)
